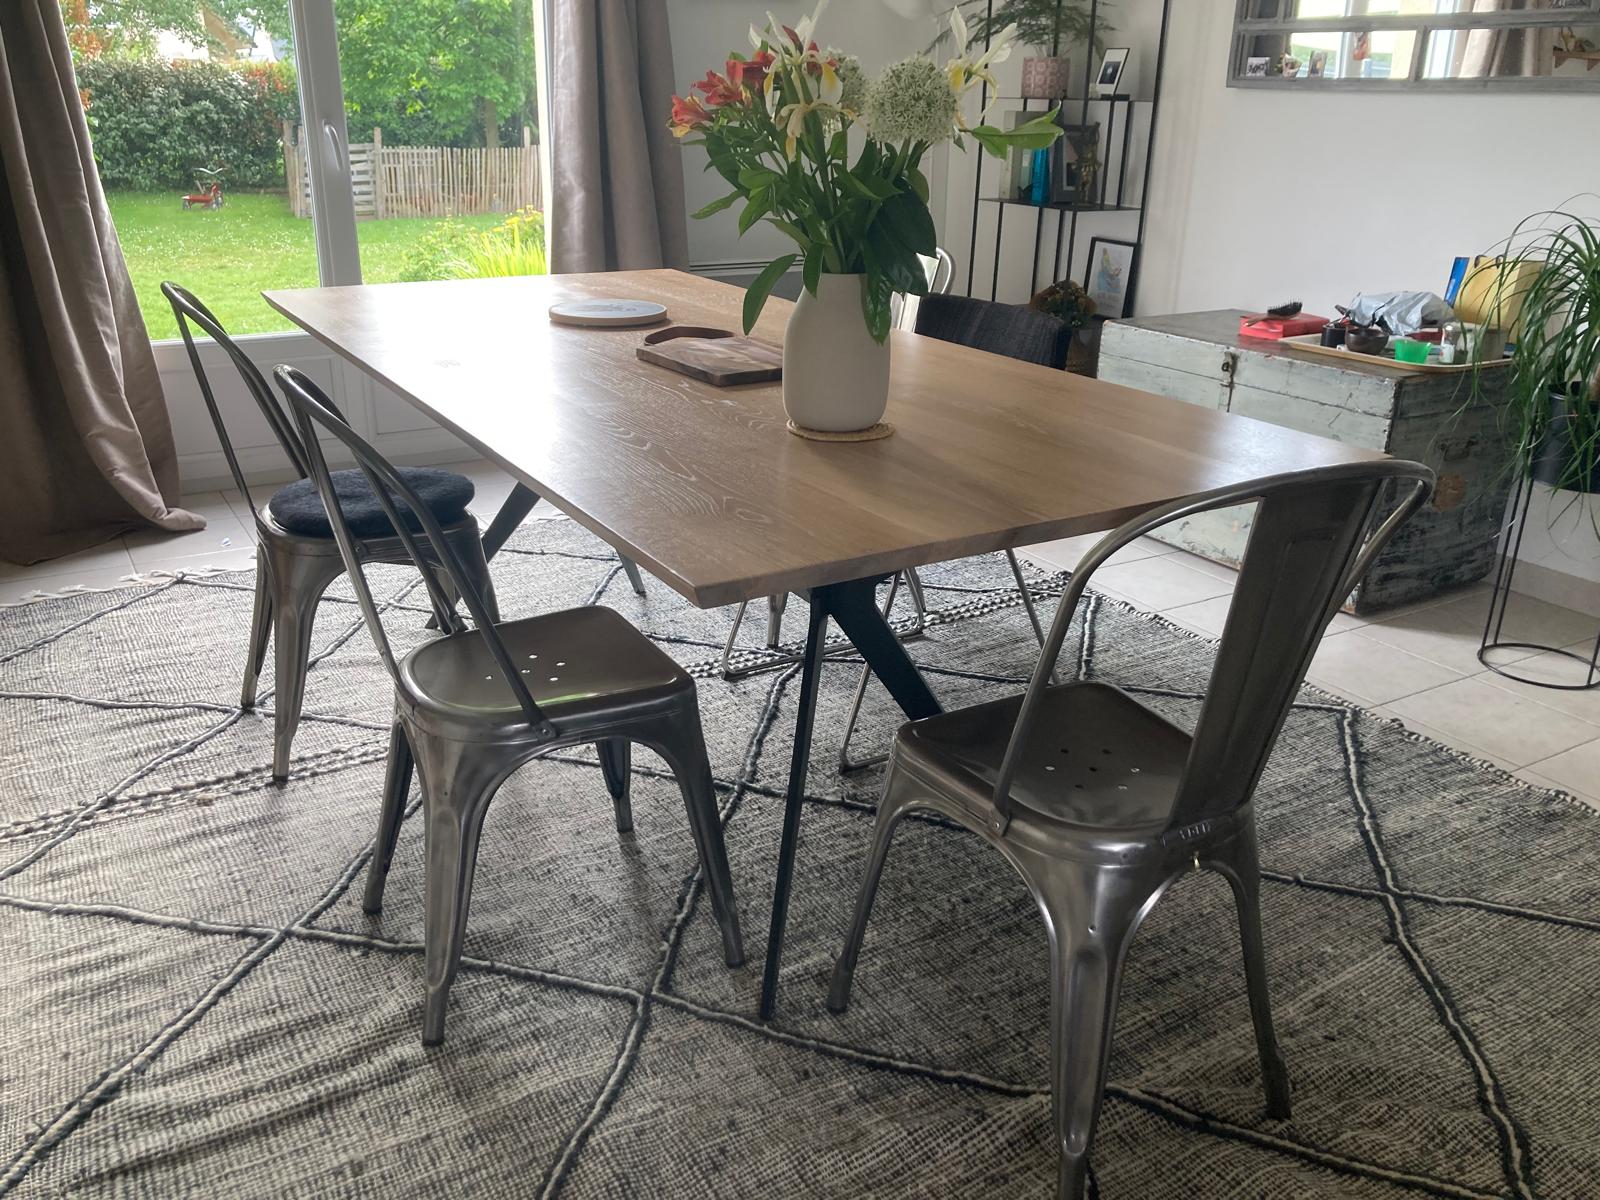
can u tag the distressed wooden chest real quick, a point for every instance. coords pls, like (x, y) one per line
(1200, 358)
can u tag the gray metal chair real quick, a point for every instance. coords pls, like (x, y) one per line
(1101, 804)
(479, 703)
(297, 558)
(941, 270)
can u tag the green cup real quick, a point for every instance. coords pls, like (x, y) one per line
(1408, 350)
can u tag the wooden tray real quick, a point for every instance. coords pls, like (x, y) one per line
(1312, 344)
(714, 356)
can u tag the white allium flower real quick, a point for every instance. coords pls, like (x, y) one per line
(854, 80)
(911, 101)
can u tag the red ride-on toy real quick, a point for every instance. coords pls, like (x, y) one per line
(208, 191)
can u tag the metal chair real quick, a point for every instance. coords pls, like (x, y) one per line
(1015, 331)
(1101, 804)
(480, 702)
(940, 271)
(295, 566)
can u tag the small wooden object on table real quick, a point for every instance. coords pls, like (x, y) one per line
(714, 356)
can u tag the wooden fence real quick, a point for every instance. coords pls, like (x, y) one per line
(425, 181)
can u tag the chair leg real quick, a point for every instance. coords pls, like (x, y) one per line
(891, 808)
(1091, 918)
(726, 668)
(1243, 872)
(1027, 596)
(776, 603)
(458, 781)
(396, 787)
(914, 587)
(469, 550)
(293, 614)
(615, 761)
(260, 631)
(682, 743)
(631, 570)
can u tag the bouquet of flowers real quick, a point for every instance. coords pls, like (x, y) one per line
(777, 125)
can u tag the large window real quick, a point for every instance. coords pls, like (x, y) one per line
(419, 117)
(1546, 45)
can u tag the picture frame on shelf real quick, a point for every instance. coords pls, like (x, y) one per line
(1256, 67)
(1109, 76)
(1108, 275)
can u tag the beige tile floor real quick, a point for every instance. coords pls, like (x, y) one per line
(1417, 664)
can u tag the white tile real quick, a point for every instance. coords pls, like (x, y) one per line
(1158, 584)
(1207, 617)
(1553, 668)
(1504, 723)
(1439, 735)
(1228, 575)
(237, 558)
(221, 535)
(24, 587)
(108, 556)
(1064, 554)
(1448, 634)
(1538, 621)
(1354, 666)
(1576, 771)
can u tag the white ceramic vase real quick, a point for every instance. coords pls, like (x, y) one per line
(835, 377)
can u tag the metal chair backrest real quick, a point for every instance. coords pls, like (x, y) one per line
(188, 308)
(1305, 555)
(1014, 330)
(312, 408)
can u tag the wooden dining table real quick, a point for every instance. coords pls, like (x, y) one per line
(707, 489)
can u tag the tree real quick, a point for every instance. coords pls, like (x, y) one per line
(437, 71)
(130, 27)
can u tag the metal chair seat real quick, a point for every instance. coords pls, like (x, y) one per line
(581, 666)
(1109, 763)
(297, 506)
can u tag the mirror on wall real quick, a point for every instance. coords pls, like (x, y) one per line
(1490, 45)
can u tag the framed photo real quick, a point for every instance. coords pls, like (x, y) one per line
(1109, 274)
(1318, 65)
(1256, 68)
(1105, 83)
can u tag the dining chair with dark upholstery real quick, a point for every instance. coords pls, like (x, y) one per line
(1012, 330)
(296, 556)
(481, 701)
(1100, 803)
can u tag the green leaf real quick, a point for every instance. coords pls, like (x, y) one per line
(1037, 134)
(755, 296)
(839, 146)
(760, 205)
(875, 186)
(793, 230)
(919, 183)
(717, 206)
(907, 220)
(753, 179)
(812, 271)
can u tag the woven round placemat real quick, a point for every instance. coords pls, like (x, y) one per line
(870, 434)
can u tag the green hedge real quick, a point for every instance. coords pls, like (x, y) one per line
(154, 123)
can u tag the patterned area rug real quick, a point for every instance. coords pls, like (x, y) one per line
(196, 1005)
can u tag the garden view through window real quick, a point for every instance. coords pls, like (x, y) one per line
(194, 114)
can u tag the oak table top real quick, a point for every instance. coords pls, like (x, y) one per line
(708, 490)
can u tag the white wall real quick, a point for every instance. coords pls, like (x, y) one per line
(704, 31)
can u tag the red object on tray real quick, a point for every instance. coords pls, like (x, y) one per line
(1259, 325)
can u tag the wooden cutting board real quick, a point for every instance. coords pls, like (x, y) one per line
(715, 356)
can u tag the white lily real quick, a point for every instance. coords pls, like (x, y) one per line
(966, 71)
(830, 90)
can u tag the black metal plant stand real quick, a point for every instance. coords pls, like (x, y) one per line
(1494, 628)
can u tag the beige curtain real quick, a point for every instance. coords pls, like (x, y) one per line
(616, 202)
(85, 444)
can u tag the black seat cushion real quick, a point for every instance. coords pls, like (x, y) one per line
(1014, 330)
(299, 509)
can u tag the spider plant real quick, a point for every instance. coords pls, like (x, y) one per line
(1051, 25)
(1552, 416)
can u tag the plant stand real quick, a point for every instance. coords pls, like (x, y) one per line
(1494, 628)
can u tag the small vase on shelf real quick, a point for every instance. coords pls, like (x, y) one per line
(835, 377)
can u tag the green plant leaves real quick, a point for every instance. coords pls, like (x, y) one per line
(717, 206)
(1037, 134)
(760, 205)
(755, 296)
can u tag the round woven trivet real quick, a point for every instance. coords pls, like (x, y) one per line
(870, 434)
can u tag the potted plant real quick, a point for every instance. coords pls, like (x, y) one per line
(1043, 24)
(1553, 412)
(1073, 307)
(777, 127)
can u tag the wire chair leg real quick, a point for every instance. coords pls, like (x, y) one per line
(846, 763)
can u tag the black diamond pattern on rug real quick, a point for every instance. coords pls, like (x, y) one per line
(197, 1004)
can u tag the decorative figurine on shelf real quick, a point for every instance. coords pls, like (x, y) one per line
(1291, 66)
(1072, 306)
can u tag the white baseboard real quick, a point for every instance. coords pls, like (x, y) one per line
(1557, 587)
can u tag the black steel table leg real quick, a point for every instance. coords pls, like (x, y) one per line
(512, 513)
(854, 606)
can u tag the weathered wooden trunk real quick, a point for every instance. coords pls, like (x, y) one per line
(1431, 417)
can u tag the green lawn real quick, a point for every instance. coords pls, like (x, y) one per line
(228, 256)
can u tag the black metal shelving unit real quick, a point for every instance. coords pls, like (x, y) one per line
(1068, 214)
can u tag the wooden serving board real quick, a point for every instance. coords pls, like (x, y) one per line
(714, 356)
